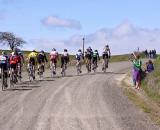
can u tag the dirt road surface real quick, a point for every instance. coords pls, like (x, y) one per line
(85, 102)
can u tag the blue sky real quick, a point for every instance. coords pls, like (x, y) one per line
(44, 24)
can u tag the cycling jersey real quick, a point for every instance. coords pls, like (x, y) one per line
(32, 55)
(53, 55)
(88, 54)
(79, 56)
(64, 58)
(41, 58)
(3, 59)
(14, 59)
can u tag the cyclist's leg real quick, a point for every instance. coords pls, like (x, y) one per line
(62, 63)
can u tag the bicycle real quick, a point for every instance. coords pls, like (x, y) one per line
(19, 71)
(94, 66)
(64, 67)
(13, 77)
(31, 72)
(78, 66)
(3, 79)
(88, 65)
(105, 64)
(41, 70)
(53, 69)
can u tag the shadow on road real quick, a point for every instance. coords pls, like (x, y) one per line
(18, 89)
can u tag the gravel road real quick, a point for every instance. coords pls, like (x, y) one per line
(85, 102)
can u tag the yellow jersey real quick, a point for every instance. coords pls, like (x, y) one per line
(32, 55)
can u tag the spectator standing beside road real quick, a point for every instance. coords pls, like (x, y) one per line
(137, 64)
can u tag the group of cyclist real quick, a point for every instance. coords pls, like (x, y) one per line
(15, 60)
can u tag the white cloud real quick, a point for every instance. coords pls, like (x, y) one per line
(53, 21)
(124, 38)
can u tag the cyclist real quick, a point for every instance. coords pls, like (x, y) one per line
(13, 60)
(88, 58)
(20, 60)
(95, 58)
(41, 58)
(79, 57)
(53, 59)
(106, 55)
(4, 64)
(64, 59)
(32, 60)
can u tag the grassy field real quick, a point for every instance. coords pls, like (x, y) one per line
(151, 84)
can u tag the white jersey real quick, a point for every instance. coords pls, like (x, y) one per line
(79, 55)
(53, 53)
(3, 58)
(65, 54)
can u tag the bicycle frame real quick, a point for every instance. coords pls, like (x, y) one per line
(64, 67)
(3, 79)
(31, 72)
(53, 68)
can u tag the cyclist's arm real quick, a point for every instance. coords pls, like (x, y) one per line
(45, 57)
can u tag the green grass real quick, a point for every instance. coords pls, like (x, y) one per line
(151, 84)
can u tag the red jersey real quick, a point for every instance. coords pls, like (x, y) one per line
(14, 59)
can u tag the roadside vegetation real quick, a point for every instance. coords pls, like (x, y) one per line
(149, 98)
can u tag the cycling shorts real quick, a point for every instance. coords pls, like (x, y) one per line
(4, 66)
(32, 61)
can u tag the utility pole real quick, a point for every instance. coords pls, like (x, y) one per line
(83, 45)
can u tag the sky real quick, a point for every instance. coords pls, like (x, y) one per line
(45, 24)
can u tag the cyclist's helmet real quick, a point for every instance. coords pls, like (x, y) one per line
(34, 51)
(107, 46)
(96, 50)
(13, 53)
(53, 49)
(42, 51)
(65, 50)
(89, 48)
(4, 53)
(79, 50)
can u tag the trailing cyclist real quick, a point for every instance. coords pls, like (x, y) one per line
(64, 60)
(95, 58)
(88, 58)
(41, 59)
(79, 57)
(53, 60)
(20, 61)
(32, 61)
(106, 56)
(4, 66)
(13, 60)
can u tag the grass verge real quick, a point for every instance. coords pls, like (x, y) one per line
(146, 99)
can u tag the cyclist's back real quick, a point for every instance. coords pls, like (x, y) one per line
(13, 60)
(54, 56)
(32, 57)
(89, 54)
(4, 61)
(41, 58)
(79, 55)
(106, 52)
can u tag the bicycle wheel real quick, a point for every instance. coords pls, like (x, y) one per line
(53, 69)
(19, 72)
(41, 71)
(2, 78)
(11, 79)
